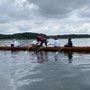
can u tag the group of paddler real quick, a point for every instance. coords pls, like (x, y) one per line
(56, 43)
(40, 41)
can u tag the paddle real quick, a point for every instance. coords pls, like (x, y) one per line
(37, 50)
(59, 50)
(27, 49)
(49, 45)
(34, 51)
(21, 45)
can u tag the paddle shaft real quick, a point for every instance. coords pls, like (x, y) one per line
(27, 49)
(49, 44)
(59, 50)
(38, 49)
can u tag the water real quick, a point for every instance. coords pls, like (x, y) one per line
(44, 70)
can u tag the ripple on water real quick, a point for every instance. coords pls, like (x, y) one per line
(28, 81)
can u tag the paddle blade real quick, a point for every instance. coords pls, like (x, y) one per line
(56, 53)
(25, 51)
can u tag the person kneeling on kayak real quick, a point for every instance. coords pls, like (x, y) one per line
(69, 44)
(42, 40)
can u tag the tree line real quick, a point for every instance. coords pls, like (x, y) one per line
(29, 35)
(25, 35)
(71, 35)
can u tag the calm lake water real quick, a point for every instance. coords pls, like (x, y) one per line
(44, 70)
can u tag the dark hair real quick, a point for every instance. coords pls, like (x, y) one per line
(38, 39)
(55, 38)
(69, 38)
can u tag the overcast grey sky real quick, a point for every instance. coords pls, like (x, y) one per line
(51, 17)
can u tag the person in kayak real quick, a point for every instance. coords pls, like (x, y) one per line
(33, 43)
(15, 43)
(69, 44)
(42, 40)
(56, 42)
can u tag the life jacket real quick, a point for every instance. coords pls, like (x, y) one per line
(39, 38)
(70, 43)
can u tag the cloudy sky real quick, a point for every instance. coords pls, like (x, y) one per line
(50, 17)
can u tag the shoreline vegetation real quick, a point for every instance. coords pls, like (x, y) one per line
(29, 35)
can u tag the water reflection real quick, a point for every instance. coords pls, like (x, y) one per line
(70, 56)
(42, 57)
(56, 57)
(14, 54)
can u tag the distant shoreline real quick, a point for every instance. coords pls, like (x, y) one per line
(29, 35)
(35, 38)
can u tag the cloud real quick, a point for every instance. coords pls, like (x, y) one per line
(16, 10)
(59, 8)
(45, 16)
